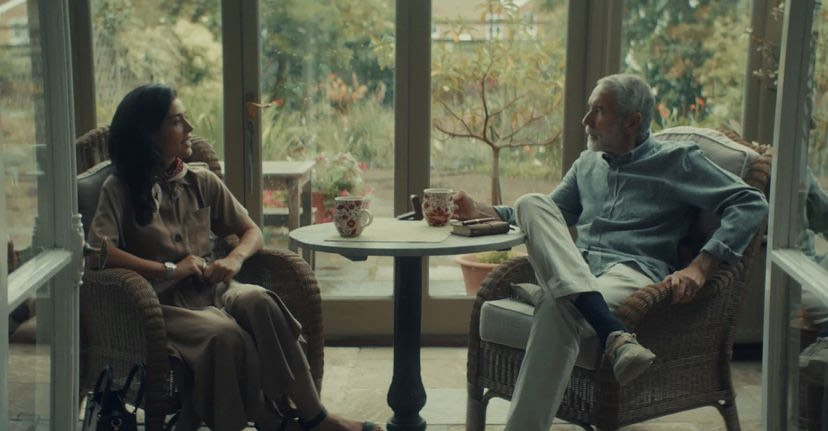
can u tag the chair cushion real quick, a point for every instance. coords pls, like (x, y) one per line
(89, 189)
(508, 321)
(723, 151)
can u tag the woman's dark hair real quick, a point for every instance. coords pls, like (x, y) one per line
(136, 159)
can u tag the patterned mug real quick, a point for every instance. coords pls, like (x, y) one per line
(437, 206)
(351, 215)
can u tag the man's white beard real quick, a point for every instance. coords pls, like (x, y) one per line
(594, 144)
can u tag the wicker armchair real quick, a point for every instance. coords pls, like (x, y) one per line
(693, 343)
(120, 316)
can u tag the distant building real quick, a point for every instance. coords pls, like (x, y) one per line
(14, 29)
(475, 24)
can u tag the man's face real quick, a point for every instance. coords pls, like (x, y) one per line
(603, 125)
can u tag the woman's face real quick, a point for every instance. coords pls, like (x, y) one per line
(173, 138)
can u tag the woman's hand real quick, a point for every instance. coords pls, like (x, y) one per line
(189, 266)
(223, 269)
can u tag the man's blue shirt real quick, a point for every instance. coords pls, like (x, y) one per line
(634, 208)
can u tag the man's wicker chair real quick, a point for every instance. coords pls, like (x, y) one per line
(120, 316)
(693, 343)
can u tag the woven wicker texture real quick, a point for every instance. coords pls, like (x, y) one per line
(121, 321)
(693, 343)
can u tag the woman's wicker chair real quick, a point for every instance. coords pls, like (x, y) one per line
(120, 317)
(693, 343)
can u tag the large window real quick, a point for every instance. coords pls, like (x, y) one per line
(497, 105)
(41, 248)
(21, 127)
(327, 81)
(694, 54)
(809, 301)
(23, 141)
(175, 43)
(796, 339)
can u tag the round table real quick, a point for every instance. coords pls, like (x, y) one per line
(406, 395)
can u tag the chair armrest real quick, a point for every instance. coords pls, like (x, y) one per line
(706, 323)
(290, 277)
(649, 298)
(121, 324)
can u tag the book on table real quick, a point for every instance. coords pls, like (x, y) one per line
(479, 227)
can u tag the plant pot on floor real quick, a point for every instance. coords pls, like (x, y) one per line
(473, 271)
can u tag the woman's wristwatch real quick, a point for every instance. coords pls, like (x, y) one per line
(169, 269)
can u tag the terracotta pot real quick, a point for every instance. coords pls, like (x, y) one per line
(473, 271)
(323, 214)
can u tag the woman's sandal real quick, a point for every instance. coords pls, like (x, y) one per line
(316, 420)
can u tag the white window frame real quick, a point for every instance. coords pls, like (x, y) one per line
(58, 229)
(788, 266)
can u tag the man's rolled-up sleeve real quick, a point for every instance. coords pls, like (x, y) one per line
(740, 207)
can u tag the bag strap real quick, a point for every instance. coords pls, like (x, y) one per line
(105, 377)
(136, 369)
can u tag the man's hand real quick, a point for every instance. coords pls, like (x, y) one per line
(687, 283)
(466, 208)
(223, 269)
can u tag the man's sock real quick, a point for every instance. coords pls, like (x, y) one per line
(596, 311)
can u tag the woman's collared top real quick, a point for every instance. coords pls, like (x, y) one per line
(188, 210)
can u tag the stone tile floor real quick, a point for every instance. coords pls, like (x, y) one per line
(356, 382)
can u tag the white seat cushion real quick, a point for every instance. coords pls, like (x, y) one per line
(723, 151)
(508, 321)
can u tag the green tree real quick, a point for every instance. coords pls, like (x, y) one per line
(304, 41)
(503, 89)
(690, 53)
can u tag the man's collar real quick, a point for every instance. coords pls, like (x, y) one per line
(630, 156)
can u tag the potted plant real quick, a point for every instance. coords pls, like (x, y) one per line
(340, 175)
(476, 266)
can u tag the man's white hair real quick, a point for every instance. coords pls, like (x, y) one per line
(632, 94)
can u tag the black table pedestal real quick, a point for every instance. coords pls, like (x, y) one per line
(407, 396)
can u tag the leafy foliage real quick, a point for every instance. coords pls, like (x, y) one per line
(497, 80)
(693, 53)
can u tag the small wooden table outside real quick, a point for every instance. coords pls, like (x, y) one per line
(406, 396)
(296, 177)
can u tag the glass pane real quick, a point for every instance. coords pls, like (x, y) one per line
(497, 105)
(810, 401)
(155, 41)
(327, 72)
(809, 344)
(29, 382)
(22, 126)
(813, 241)
(694, 54)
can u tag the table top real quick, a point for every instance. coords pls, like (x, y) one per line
(283, 168)
(317, 237)
(286, 167)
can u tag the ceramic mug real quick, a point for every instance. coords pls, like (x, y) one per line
(437, 206)
(351, 215)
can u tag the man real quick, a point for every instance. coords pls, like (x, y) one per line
(631, 198)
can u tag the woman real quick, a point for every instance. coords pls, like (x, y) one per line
(155, 214)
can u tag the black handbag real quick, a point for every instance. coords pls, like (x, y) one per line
(106, 409)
